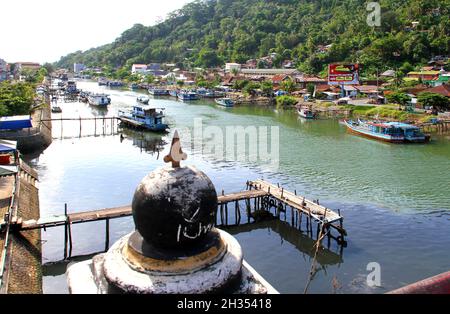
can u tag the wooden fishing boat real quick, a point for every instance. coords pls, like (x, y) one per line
(187, 95)
(144, 118)
(392, 132)
(225, 102)
(99, 100)
(306, 113)
(158, 92)
(143, 100)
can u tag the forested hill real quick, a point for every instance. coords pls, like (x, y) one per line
(212, 32)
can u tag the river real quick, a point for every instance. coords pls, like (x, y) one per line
(394, 198)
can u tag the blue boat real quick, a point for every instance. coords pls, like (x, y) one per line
(392, 132)
(225, 102)
(145, 118)
(158, 92)
(187, 95)
(412, 133)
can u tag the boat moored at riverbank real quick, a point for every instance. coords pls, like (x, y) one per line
(99, 100)
(145, 118)
(173, 93)
(392, 132)
(158, 92)
(306, 113)
(225, 102)
(187, 96)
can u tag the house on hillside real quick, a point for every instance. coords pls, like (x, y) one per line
(278, 79)
(268, 73)
(138, 69)
(304, 81)
(388, 74)
(231, 67)
(250, 64)
(424, 75)
(371, 91)
(443, 90)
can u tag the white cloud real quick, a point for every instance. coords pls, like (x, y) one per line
(45, 30)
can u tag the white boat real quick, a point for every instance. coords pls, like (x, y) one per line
(187, 95)
(146, 118)
(306, 113)
(56, 109)
(143, 99)
(225, 102)
(100, 100)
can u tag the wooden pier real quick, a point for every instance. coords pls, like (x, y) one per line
(264, 197)
(102, 121)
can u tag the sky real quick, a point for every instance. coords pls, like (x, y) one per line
(45, 30)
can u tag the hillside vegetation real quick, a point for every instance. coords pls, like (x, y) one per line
(209, 33)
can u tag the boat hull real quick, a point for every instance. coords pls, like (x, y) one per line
(125, 121)
(223, 103)
(374, 136)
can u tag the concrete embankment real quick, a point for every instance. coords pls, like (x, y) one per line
(23, 267)
(36, 139)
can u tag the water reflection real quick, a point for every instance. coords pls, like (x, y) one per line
(148, 142)
(299, 240)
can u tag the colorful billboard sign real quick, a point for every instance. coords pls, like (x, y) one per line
(343, 74)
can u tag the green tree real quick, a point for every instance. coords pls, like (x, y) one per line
(240, 84)
(267, 88)
(288, 85)
(149, 79)
(398, 98)
(208, 58)
(16, 98)
(285, 101)
(180, 83)
(311, 88)
(50, 68)
(436, 101)
(251, 88)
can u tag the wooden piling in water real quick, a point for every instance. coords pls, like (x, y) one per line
(107, 235)
(66, 235)
(69, 225)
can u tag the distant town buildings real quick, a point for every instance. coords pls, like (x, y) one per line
(268, 73)
(230, 67)
(78, 68)
(4, 70)
(20, 66)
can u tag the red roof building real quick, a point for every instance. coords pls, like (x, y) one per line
(443, 90)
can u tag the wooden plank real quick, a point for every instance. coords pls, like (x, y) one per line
(241, 196)
(118, 212)
(318, 212)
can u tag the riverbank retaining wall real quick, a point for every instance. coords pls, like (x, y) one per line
(35, 139)
(25, 270)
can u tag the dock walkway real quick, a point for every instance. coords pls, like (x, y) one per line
(264, 195)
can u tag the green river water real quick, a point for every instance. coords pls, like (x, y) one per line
(395, 198)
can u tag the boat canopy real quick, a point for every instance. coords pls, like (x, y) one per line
(15, 123)
(6, 171)
(402, 125)
(7, 146)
